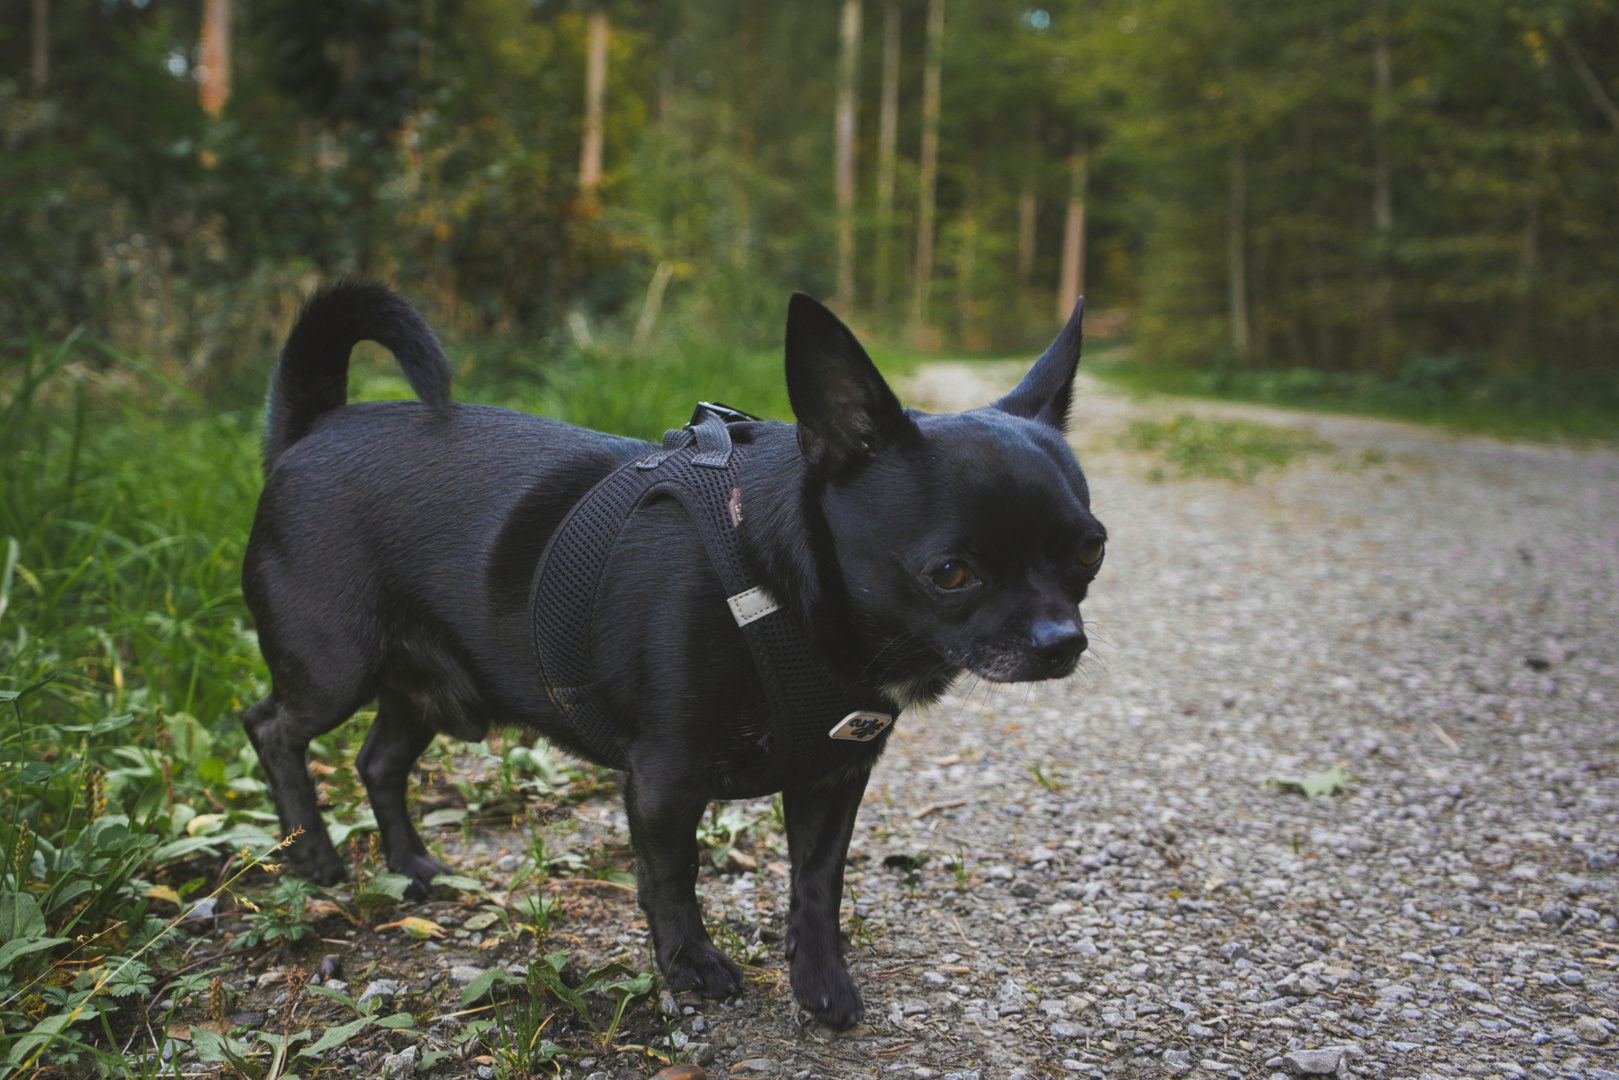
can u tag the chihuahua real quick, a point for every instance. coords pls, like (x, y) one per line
(394, 558)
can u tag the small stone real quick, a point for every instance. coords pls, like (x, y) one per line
(1467, 988)
(380, 988)
(1178, 1061)
(667, 1006)
(1200, 1031)
(270, 978)
(759, 1066)
(1233, 950)
(400, 1065)
(202, 909)
(1590, 1029)
(463, 974)
(337, 984)
(1041, 854)
(1296, 985)
(1313, 1062)
(998, 872)
(1025, 890)
(507, 864)
(701, 1052)
(1067, 1029)
(1571, 978)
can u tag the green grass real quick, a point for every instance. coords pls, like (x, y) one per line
(1190, 446)
(1450, 393)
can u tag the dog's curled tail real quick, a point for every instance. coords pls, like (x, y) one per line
(313, 375)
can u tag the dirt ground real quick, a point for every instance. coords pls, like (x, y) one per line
(1111, 876)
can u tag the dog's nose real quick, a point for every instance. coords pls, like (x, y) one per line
(1057, 644)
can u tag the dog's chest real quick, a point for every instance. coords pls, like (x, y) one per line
(816, 724)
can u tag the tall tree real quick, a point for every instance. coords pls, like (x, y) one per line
(590, 150)
(887, 151)
(928, 166)
(39, 60)
(1072, 285)
(844, 141)
(213, 87)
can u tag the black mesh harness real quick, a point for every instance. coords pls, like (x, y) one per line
(820, 723)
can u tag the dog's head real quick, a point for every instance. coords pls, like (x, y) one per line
(964, 541)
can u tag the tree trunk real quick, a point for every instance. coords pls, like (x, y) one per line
(1382, 189)
(1593, 85)
(887, 140)
(929, 165)
(1072, 285)
(848, 77)
(590, 153)
(1236, 271)
(39, 67)
(1027, 208)
(213, 87)
(424, 50)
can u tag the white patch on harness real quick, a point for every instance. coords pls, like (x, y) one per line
(751, 604)
(861, 726)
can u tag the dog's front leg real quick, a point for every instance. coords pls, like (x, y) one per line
(664, 812)
(819, 823)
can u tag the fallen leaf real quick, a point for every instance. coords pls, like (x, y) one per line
(416, 927)
(163, 892)
(1328, 782)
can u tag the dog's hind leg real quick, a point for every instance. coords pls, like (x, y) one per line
(281, 739)
(663, 829)
(397, 738)
(820, 821)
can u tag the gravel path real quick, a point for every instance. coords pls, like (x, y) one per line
(1098, 877)
(1442, 624)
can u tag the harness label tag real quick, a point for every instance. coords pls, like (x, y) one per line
(861, 726)
(751, 604)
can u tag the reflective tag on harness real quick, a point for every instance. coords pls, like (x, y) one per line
(750, 604)
(861, 726)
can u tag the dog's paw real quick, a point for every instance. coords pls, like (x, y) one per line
(421, 869)
(703, 967)
(827, 991)
(322, 865)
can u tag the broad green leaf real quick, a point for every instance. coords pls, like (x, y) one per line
(445, 816)
(459, 883)
(20, 917)
(392, 886)
(480, 986)
(42, 1034)
(396, 1021)
(17, 948)
(333, 1037)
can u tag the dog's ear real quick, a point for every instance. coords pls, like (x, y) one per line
(845, 410)
(1045, 392)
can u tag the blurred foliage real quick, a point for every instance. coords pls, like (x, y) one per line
(436, 143)
(1194, 446)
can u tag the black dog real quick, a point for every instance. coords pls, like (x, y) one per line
(394, 555)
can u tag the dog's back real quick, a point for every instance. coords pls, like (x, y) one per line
(463, 496)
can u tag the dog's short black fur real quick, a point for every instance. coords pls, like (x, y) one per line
(395, 543)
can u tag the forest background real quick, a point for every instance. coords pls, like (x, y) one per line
(1345, 187)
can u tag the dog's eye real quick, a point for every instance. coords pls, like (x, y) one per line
(1090, 552)
(953, 575)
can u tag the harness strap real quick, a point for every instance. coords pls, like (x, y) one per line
(819, 722)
